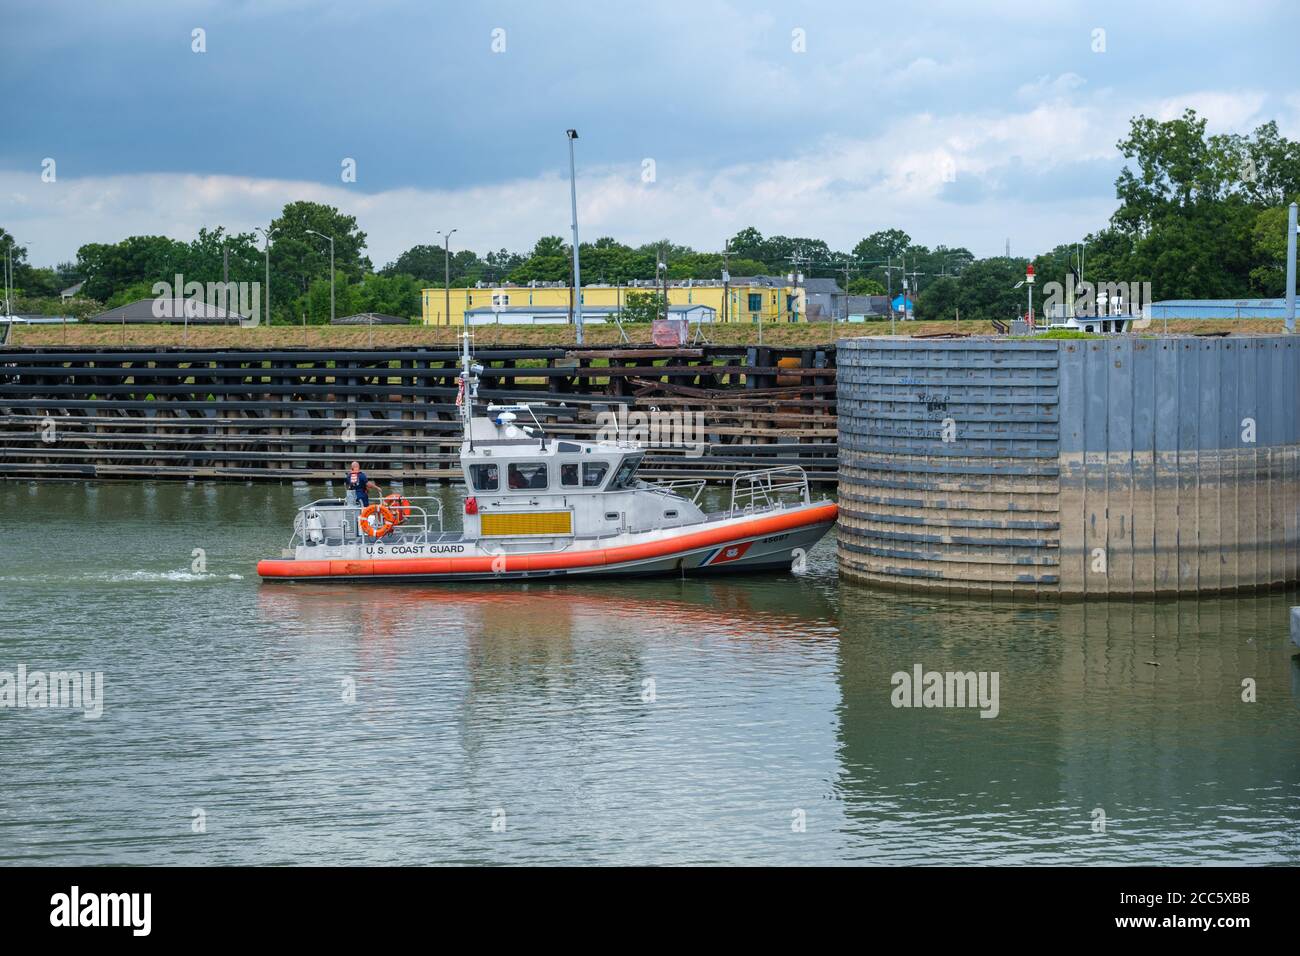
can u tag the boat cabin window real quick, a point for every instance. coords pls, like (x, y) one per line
(484, 477)
(623, 478)
(593, 473)
(526, 475)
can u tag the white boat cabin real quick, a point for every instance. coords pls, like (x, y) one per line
(522, 483)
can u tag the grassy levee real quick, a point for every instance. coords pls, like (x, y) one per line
(360, 337)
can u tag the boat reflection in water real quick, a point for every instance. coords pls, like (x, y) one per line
(1115, 721)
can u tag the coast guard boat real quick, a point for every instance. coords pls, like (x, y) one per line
(541, 507)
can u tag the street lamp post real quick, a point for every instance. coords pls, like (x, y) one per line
(446, 275)
(331, 242)
(1290, 267)
(572, 134)
(268, 233)
(661, 272)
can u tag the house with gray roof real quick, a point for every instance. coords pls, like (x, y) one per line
(154, 311)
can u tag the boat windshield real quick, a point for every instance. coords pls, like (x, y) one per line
(623, 477)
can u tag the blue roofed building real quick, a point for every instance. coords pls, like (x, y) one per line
(901, 305)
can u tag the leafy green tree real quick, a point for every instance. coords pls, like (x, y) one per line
(548, 262)
(9, 245)
(430, 264)
(37, 282)
(612, 262)
(865, 286)
(316, 303)
(643, 306)
(423, 262)
(302, 258)
(987, 290)
(501, 263)
(130, 293)
(111, 267)
(389, 295)
(747, 267)
(27, 279)
(940, 300)
(747, 244)
(1190, 203)
(214, 254)
(885, 244)
(1268, 252)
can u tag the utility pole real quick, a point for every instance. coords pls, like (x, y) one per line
(847, 266)
(572, 134)
(446, 276)
(726, 278)
(889, 291)
(795, 260)
(915, 288)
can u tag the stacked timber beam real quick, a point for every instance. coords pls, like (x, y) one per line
(305, 413)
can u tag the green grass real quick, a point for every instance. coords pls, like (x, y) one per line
(1067, 334)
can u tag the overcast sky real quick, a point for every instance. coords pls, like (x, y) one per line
(964, 123)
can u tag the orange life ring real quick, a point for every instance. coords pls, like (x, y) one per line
(399, 506)
(368, 529)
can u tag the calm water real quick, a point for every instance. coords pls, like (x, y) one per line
(525, 703)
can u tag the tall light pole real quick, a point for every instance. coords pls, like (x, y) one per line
(572, 134)
(446, 275)
(268, 233)
(661, 269)
(1290, 267)
(331, 242)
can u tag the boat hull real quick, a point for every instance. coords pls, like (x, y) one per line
(765, 542)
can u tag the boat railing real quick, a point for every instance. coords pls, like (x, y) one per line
(767, 488)
(338, 523)
(688, 488)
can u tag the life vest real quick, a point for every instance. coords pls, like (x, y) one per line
(399, 507)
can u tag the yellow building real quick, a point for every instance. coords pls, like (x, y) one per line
(741, 300)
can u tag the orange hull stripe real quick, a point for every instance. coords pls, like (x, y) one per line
(773, 524)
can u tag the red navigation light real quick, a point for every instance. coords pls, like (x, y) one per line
(471, 505)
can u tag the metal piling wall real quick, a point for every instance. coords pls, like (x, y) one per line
(1093, 467)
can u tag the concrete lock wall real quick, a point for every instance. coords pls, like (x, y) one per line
(1074, 467)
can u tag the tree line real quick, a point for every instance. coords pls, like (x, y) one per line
(1198, 216)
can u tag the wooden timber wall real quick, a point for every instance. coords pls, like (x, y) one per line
(285, 414)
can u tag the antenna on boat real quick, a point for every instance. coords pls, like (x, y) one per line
(469, 373)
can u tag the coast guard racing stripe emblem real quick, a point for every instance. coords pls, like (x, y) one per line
(732, 552)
